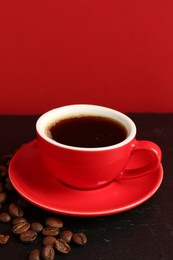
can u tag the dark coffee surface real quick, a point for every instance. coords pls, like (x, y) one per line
(142, 233)
(88, 131)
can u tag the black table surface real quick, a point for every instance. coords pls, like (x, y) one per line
(145, 232)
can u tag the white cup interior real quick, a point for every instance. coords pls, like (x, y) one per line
(51, 117)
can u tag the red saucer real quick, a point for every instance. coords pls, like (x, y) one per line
(26, 173)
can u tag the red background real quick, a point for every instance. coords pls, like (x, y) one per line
(116, 53)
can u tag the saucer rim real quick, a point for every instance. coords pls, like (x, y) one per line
(86, 213)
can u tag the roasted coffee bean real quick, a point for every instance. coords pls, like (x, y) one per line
(48, 253)
(62, 247)
(50, 231)
(49, 240)
(34, 254)
(21, 227)
(3, 197)
(28, 236)
(36, 226)
(79, 239)
(54, 222)
(66, 235)
(22, 203)
(4, 239)
(15, 210)
(5, 217)
(18, 220)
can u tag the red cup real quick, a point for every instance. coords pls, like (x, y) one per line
(91, 168)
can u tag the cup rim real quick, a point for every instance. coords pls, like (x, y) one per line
(45, 119)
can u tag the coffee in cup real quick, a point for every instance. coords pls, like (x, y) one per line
(87, 131)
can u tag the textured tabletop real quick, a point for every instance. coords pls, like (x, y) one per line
(142, 233)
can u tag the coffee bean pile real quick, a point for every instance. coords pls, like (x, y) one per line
(54, 238)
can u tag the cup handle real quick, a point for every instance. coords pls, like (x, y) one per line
(150, 149)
